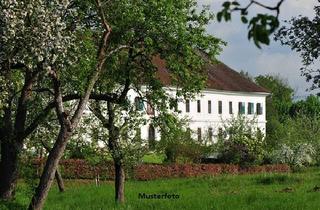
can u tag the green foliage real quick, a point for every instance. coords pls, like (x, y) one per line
(260, 26)
(281, 95)
(297, 156)
(28, 172)
(241, 143)
(176, 142)
(301, 34)
(309, 107)
(153, 158)
(174, 31)
(246, 75)
(301, 130)
(149, 34)
(278, 106)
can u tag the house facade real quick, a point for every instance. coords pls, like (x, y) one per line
(227, 94)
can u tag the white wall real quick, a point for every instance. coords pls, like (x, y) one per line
(204, 120)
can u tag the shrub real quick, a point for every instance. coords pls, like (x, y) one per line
(241, 143)
(297, 156)
(81, 169)
(28, 172)
(154, 171)
(177, 144)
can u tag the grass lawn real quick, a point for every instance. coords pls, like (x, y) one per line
(259, 192)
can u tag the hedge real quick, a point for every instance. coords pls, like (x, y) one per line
(80, 169)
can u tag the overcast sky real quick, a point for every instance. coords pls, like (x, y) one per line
(240, 54)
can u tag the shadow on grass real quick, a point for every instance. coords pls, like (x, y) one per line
(278, 179)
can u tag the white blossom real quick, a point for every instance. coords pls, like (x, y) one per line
(32, 32)
(36, 30)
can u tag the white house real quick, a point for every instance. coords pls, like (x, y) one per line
(227, 94)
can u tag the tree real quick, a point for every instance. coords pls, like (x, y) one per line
(68, 122)
(33, 36)
(50, 25)
(278, 106)
(302, 34)
(118, 132)
(160, 34)
(280, 99)
(246, 75)
(309, 107)
(40, 142)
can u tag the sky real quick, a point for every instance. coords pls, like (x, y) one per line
(242, 54)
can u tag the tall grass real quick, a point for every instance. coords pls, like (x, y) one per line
(245, 192)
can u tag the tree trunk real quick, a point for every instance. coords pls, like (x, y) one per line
(8, 169)
(119, 181)
(59, 180)
(67, 125)
(49, 171)
(57, 174)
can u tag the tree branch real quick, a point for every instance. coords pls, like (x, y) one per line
(44, 113)
(41, 90)
(58, 101)
(21, 115)
(275, 8)
(97, 112)
(126, 88)
(101, 60)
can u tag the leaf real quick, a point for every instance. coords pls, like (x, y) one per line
(227, 16)
(226, 4)
(235, 3)
(244, 19)
(219, 16)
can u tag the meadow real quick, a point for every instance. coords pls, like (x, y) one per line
(260, 191)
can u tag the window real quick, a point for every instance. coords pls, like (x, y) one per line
(151, 136)
(187, 105)
(209, 107)
(230, 107)
(259, 109)
(242, 108)
(220, 107)
(210, 133)
(199, 134)
(150, 110)
(250, 108)
(138, 103)
(198, 106)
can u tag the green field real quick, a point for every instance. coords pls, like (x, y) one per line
(263, 191)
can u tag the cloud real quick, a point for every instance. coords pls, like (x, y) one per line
(285, 65)
(241, 54)
(292, 8)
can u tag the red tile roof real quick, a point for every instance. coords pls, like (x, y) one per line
(220, 77)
